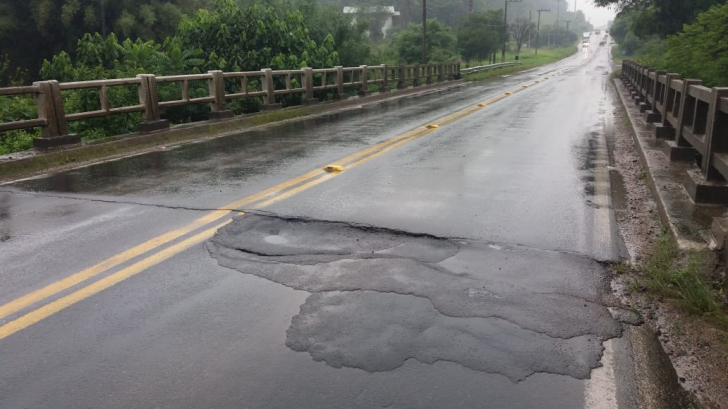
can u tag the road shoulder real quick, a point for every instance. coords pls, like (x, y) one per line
(696, 347)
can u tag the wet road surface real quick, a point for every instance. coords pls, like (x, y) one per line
(452, 267)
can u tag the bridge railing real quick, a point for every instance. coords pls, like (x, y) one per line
(267, 85)
(684, 111)
(488, 67)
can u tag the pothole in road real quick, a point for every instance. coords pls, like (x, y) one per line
(380, 297)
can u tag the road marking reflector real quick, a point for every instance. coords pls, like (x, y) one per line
(508, 93)
(481, 104)
(334, 168)
(431, 126)
(524, 86)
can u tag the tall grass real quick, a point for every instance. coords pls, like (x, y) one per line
(684, 280)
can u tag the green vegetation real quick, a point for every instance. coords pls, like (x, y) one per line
(441, 43)
(33, 30)
(77, 40)
(527, 59)
(684, 279)
(478, 36)
(698, 49)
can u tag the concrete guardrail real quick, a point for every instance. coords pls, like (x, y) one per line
(487, 67)
(267, 84)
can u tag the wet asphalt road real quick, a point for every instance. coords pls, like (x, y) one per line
(458, 270)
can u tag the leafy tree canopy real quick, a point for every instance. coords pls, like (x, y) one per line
(660, 17)
(701, 50)
(441, 43)
(480, 34)
(33, 30)
(254, 38)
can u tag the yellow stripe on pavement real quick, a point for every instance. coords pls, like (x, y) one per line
(58, 286)
(106, 282)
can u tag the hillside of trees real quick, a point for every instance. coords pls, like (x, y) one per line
(32, 31)
(690, 38)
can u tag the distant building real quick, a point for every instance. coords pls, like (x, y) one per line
(391, 16)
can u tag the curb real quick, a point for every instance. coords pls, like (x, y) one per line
(118, 146)
(689, 224)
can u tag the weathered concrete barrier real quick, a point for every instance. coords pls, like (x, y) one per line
(692, 120)
(268, 85)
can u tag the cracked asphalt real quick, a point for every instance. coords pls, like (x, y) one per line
(462, 269)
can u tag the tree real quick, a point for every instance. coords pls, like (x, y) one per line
(33, 30)
(661, 17)
(322, 20)
(253, 39)
(520, 31)
(479, 34)
(440, 43)
(701, 50)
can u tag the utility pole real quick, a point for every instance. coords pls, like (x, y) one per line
(538, 27)
(556, 33)
(424, 31)
(103, 19)
(505, 27)
(529, 27)
(567, 25)
(471, 5)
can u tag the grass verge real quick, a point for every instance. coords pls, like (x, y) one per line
(617, 55)
(527, 59)
(684, 278)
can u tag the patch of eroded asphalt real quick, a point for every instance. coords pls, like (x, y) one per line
(380, 297)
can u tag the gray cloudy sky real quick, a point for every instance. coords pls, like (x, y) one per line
(599, 16)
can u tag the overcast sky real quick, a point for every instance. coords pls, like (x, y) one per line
(599, 16)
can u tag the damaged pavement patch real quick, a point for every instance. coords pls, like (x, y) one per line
(383, 296)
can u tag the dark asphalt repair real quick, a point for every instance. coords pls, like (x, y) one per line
(381, 297)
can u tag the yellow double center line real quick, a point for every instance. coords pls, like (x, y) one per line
(264, 198)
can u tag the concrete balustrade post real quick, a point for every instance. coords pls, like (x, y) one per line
(216, 85)
(402, 78)
(416, 76)
(50, 109)
(652, 111)
(307, 77)
(385, 79)
(664, 129)
(364, 77)
(269, 101)
(152, 118)
(655, 91)
(716, 136)
(669, 97)
(339, 94)
(687, 111)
